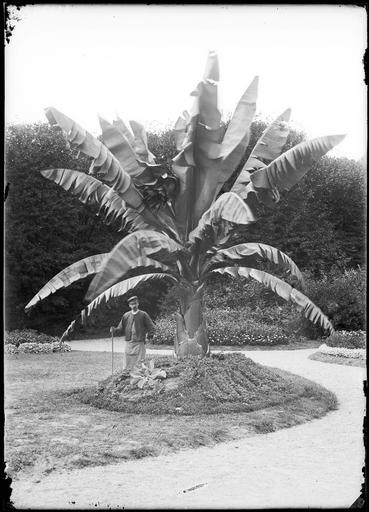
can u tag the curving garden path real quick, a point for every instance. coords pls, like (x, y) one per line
(317, 464)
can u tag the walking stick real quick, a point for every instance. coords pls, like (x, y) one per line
(112, 352)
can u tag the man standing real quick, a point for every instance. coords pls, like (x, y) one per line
(135, 324)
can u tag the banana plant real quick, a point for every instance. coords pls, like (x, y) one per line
(179, 226)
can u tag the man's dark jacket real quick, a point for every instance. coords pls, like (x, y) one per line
(143, 325)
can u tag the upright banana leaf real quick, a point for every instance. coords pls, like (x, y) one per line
(105, 165)
(138, 250)
(240, 123)
(193, 166)
(140, 143)
(250, 253)
(118, 123)
(228, 207)
(267, 149)
(76, 271)
(119, 145)
(284, 290)
(237, 136)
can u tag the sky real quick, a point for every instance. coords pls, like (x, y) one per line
(143, 61)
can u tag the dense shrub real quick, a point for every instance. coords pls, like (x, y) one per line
(347, 339)
(341, 297)
(165, 329)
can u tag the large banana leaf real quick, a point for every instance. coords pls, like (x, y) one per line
(268, 148)
(251, 252)
(105, 165)
(285, 171)
(118, 123)
(76, 271)
(284, 290)
(194, 167)
(123, 287)
(89, 190)
(117, 290)
(140, 143)
(138, 250)
(239, 126)
(237, 136)
(271, 142)
(228, 207)
(118, 144)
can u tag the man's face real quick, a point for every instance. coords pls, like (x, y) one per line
(134, 305)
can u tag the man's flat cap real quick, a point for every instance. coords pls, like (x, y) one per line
(132, 299)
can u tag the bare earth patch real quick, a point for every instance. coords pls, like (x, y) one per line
(48, 429)
(327, 358)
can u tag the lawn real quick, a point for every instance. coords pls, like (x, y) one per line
(47, 428)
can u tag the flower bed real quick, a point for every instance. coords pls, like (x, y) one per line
(353, 353)
(226, 327)
(32, 342)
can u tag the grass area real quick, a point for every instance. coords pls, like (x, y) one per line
(327, 358)
(48, 428)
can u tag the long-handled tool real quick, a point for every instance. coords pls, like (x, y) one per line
(112, 351)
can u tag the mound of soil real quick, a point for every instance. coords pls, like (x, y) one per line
(219, 384)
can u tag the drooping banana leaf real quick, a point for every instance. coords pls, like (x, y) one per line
(286, 170)
(138, 250)
(90, 191)
(123, 287)
(250, 253)
(76, 271)
(117, 290)
(228, 207)
(284, 290)
(68, 331)
(267, 149)
(105, 165)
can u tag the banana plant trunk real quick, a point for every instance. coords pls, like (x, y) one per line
(191, 334)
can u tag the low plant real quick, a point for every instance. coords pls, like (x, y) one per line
(347, 339)
(351, 353)
(37, 348)
(147, 376)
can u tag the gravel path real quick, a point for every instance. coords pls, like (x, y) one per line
(317, 464)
